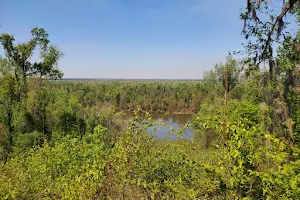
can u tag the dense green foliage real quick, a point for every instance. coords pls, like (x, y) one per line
(152, 96)
(71, 139)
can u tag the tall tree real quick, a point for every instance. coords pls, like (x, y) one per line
(264, 27)
(227, 75)
(17, 67)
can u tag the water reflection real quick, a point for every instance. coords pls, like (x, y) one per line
(175, 121)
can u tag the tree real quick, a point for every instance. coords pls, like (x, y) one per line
(227, 74)
(17, 67)
(264, 27)
(289, 60)
(19, 56)
(7, 100)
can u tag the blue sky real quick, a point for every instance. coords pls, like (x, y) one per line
(177, 39)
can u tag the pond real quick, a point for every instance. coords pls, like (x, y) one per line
(175, 121)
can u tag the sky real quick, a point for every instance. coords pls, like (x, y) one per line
(143, 39)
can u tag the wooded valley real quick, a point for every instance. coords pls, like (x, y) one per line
(70, 139)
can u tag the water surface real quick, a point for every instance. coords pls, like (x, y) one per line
(175, 121)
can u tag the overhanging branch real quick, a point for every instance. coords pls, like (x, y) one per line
(286, 9)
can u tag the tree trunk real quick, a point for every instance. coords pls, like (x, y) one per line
(224, 137)
(10, 129)
(288, 108)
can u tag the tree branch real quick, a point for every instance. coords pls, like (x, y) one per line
(278, 19)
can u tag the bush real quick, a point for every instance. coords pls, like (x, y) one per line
(238, 110)
(256, 165)
(72, 169)
(28, 140)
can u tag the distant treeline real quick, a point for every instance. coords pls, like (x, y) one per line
(121, 79)
(155, 96)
